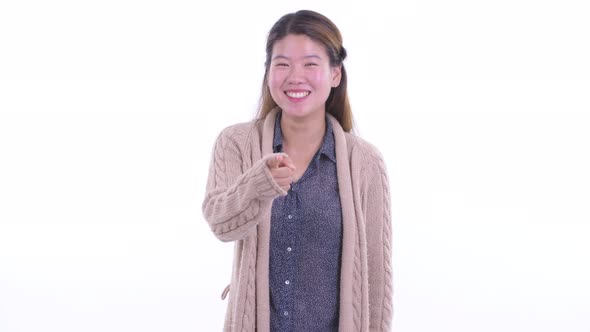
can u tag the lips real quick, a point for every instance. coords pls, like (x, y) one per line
(297, 94)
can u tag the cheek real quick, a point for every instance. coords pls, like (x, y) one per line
(315, 76)
(320, 79)
(275, 79)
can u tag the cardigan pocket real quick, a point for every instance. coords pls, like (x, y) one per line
(224, 293)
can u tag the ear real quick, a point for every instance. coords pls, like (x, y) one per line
(336, 75)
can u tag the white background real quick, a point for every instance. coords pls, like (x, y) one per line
(109, 110)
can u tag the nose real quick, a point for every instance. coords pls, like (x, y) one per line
(295, 75)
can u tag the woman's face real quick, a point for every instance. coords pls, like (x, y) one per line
(300, 77)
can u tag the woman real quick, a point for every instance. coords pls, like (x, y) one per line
(306, 201)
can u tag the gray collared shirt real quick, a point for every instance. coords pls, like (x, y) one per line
(306, 245)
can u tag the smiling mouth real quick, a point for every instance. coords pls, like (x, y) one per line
(298, 94)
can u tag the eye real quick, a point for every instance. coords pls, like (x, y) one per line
(281, 64)
(310, 64)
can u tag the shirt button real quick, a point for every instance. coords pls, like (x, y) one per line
(287, 282)
(286, 313)
(290, 216)
(289, 249)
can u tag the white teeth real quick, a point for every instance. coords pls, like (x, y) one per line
(297, 94)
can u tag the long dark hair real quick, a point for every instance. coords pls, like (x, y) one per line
(320, 29)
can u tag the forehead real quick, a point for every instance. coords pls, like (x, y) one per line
(298, 46)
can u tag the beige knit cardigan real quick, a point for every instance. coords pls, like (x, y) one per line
(237, 206)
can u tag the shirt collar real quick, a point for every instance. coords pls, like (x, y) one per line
(328, 145)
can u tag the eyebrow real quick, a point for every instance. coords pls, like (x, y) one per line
(280, 56)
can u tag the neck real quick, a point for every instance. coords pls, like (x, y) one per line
(303, 133)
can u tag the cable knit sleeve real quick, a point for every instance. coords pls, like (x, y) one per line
(377, 209)
(234, 198)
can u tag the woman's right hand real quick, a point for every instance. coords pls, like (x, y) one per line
(282, 169)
